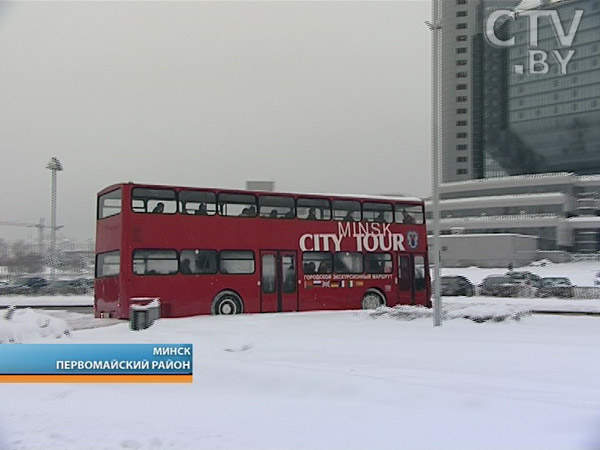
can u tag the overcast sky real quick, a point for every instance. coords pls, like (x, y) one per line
(316, 96)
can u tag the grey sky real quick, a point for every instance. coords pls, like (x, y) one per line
(317, 96)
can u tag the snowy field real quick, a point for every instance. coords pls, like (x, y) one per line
(331, 380)
(494, 376)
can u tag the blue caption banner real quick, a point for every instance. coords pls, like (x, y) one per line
(96, 359)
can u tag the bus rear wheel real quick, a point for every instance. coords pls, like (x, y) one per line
(227, 303)
(372, 300)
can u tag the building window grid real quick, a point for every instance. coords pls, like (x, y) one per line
(547, 99)
(593, 103)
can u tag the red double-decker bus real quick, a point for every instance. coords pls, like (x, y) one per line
(216, 251)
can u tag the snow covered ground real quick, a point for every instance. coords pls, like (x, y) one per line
(67, 300)
(334, 380)
(492, 377)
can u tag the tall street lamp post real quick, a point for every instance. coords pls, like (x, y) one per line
(55, 166)
(436, 28)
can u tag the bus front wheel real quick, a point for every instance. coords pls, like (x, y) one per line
(372, 300)
(227, 303)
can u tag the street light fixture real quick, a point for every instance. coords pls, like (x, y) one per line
(55, 166)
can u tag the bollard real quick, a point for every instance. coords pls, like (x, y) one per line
(143, 312)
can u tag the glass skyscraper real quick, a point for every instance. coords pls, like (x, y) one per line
(511, 110)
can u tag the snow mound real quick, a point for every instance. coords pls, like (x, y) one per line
(541, 263)
(479, 312)
(403, 312)
(476, 312)
(26, 325)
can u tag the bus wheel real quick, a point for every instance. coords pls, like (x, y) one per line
(227, 303)
(372, 300)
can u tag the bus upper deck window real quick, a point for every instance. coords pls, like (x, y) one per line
(378, 212)
(157, 201)
(409, 214)
(237, 205)
(346, 210)
(109, 204)
(276, 207)
(313, 209)
(198, 203)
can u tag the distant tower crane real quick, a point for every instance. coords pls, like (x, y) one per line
(40, 226)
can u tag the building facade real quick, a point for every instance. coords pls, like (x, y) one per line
(520, 124)
(514, 109)
(561, 209)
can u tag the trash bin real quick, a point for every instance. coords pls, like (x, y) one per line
(143, 312)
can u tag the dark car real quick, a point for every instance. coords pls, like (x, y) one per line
(23, 285)
(500, 286)
(555, 287)
(525, 278)
(456, 285)
(66, 287)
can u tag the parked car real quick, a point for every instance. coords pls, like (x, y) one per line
(525, 278)
(89, 282)
(456, 285)
(23, 285)
(66, 287)
(597, 279)
(499, 286)
(556, 287)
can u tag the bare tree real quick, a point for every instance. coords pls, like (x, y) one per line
(23, 259)
(4, 252)
(72, 262)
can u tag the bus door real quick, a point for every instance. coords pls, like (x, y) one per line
(412, 281)
(279, 281)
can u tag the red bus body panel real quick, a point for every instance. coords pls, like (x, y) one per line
(185, 295)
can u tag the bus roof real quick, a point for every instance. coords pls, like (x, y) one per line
(295, 194)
